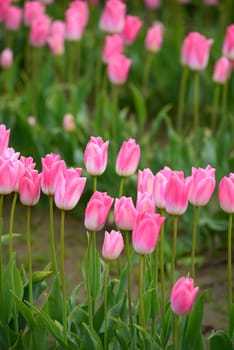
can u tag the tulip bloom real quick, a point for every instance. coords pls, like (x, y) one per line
(29, 187)
(195, 51)
(183, 296)
(6, 58)
(32, 10)
(152, 4)
(40, 31)
(52, 165)
(124, 213)
(145, 203)
(222, 70)
(201, 185)
(159, 187)
(97, 211)
(69, 188)
(146, 231)
(226, 193)
(176, 193)
(95, 156)
(68, 122)
(154, 37)
(12, 18)
(228, 44)
(113, 245)
(113, 16)
(118, 68)
(57, 37)
(7, 176)
(145, 181)
(76, 20)
(132, 26)
(113, 46)
(4, 138)
(128, 158)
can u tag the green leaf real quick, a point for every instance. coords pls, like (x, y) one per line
(220, 341)
(25, 310)
(36, 337)
(139, 104)
(39, 276)
(123, 279)
(231, 321)
(5, 238)
(54, 303)
(7, 298)
(90, 339)
(76, 317)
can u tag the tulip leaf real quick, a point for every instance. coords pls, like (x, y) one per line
(220, 340)
(166, 326)
(123, 279)
(54, 302)
(25, 310)
(90, 339)
(36, 337)
(5, 238)
(139, 104)
(76, 317)
(39, 276)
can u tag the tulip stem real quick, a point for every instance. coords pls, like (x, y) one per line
(129, 281)
(121, 186)
(196, 100)
(90, 305)
(1, 267)
(29, 255)
(162, 274)
(52, 242)
(141, 285)
(12, 213)
(230, 268)
(105, 304)
(182, 91)
(114, 113)
(94, 183)
(176, 331)
(224, 100)
(215, 107)
(195, 223)
(63, 283)
(173, 253)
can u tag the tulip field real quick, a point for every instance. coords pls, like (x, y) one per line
(116, 115)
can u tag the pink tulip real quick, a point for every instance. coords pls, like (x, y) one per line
(6, 58)
(76, 20)
(159, 188)
(201, 185)
(69, 122)
(113, 245)
(69, 188)
(9, 153)
(154, 37)
(176, 193)
(52, 165)
(95, 156)
(27, 162)
(183, 296)
(113, 46)
(112, 18)
(124, 213)
(32, 10)
(195, 51)
(82, 11)
(97, 211)
(4, 4)
(145, 181)
(4, 138)
(222, 70)
(152, 4)
(7, 176)
(29, 187)
(228, 44)
(226, 193)
(118, 68)
(12, 18)
(145, 203)
(56, 38)
(132, 26)
(146, 231)
(40, 31)
(128, 158)
(211, 2)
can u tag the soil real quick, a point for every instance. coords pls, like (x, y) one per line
(211, 276)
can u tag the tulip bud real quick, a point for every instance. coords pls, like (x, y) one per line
(183, 296)
(128, 158)
(95, 156)
(226, 193)
(113, 245)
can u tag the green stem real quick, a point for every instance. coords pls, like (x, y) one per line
(176, 333)
(229, 267)
(52, 241)
(28, 234)
(105, 304)
(162, 274)
(127, 247)
(146, 72)
(141, 285)
(173, 252)
(114, 96)
(196, 100)
(12, 213)
(215, 107)
(194, 239)
(90, 304)
(121, 186)
(94, 183)
(1, 263)
(224, 100)
(63, 282)
(183, 84)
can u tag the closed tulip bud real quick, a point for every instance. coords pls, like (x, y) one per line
(195, 51)
(97, 211)
(145, 203)
(76, 20)
(8, 176)
(176, 194)
(222, 70)
(132, 26)
(228, 44)
(128, 158)
(69, 188)
(159, 188)
(68, 122)
(112, 18)
(52, 165)
(124, 213)
(113, 46)
(6, 58)
(152, 4)
(113, 245)
(95, 156)
(82, 11)
(12, 18)
(146, 231)
(183, 296)
(40, 31)
(118, 69)
(29, 187)
(201, 185)
(4, 138)
(154, 37)
(56, 38)
(32, 10)
(226, 193)
(145, 181)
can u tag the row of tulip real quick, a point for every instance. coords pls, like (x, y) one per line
(168, 191)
